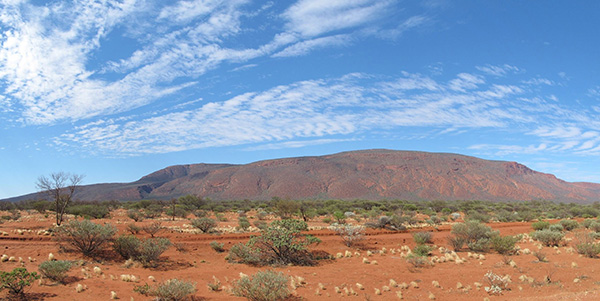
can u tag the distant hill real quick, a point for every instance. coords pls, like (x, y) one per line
(368, 174)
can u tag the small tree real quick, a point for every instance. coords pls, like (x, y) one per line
(60, 187)
(16, 281)
(204, 224)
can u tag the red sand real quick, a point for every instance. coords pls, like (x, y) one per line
(200, 263)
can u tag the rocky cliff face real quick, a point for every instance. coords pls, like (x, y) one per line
(370, 174)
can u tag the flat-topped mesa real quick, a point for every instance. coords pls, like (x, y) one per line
(367, 174)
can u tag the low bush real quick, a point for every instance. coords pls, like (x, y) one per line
(476, 235)
(151, 249)
(146, 251)
(134, 229)
(153, 228)
(55, 270)
(217, 246)
(84, 236)
(170, 290)
(88, 211)
(135, 215)
(281, 243)
(556, 228)
(16, 281)
(350, 234)
(540, 225)
(548, 238)
(204, 224)
(243, 223)
(127, 246)
(504, 244)
(569, 224)
(456, 242)
(263, 286)
(588, 249)
(417, 261)
(423, 237)
(422, 250)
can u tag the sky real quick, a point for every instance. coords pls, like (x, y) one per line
(115, 90)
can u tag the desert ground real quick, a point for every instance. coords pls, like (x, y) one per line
(362, 272)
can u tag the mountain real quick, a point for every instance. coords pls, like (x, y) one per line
(368, 174)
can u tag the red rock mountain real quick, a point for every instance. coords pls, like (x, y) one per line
(369, 174)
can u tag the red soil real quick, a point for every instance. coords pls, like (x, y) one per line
(200, 263)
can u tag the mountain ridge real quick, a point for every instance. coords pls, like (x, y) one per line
(365, 174)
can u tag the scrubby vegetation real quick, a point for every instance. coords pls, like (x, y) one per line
(16, 281)
(263, 286)
(84, 236)
(279, 244)
(55, 270)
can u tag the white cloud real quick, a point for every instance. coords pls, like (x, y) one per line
(304, 47)
(314, 17)
(303, 110)
(499, 71)
(465, 81)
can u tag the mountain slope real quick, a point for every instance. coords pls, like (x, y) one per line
(369, 174)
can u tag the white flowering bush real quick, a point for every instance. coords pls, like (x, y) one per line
(497, 283)
(350, 234)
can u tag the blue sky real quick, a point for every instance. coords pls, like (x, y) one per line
(117, 89)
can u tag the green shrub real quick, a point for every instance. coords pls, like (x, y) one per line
(204, 224)
(16, 281)
(281, 243)
(88, 211)
(588, 249)
(540, 225)
(586, 223)
(128, 246)
(478, 216)
(475, 234)
(547, 237)
(151, 249)
(146, 251)
(504, 244)
(595, 226)
(422, 250)
(569, 224)
(170, 290)
(217, 246)
(260, 224)
(135, 215)
(480, 245)
(456, 242)
(423, 237)
(84, 236)
(263, 286)
(417, 261)
(556, 227)
(243, 223)
(55, 270)
(133, 228)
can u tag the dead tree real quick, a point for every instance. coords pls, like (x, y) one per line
(60, 187)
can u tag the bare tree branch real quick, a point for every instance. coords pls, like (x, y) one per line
(60, 187)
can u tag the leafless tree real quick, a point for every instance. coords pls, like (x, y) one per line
(60, 187)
